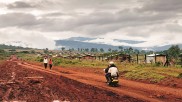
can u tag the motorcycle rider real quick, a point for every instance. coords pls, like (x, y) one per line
(111, 71)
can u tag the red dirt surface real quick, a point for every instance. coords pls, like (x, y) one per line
(33, 83)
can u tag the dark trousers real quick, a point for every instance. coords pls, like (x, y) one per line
(108, 77)
(50, 66)
(45, 65)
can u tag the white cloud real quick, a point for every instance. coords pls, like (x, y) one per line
(33, 38)
(8, 1)
(49, 20)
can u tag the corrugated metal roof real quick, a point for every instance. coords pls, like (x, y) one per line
(152, 55)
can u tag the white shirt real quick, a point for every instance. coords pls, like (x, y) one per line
(113, 71)
(45, 60)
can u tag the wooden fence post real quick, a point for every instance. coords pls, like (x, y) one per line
(167, 61)
(155, 58)
(181, 60)
(137, 58)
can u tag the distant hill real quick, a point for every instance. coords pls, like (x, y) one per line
(166, 47)
(129, 41)
(80, 42)
(79, 39)
(3, 46)
(83, 42)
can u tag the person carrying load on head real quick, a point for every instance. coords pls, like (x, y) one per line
(45, 62)
(50, 63)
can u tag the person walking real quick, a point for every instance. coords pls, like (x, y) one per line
(50, 63)
(45, 62)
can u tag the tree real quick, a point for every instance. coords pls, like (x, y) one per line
(114, 51)
(33, 51)
(174, 52)
(121, 48)
(126, 51)
(2, 51)
(109, 49)
(71, 49)
(136, 51)
(92, 50)
(96, 50)
(87, 50)
(101, 50)
(130, 50)
(143, 52)
(46, 50)
(63, 48)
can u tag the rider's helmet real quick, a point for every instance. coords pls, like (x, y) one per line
(111, 62)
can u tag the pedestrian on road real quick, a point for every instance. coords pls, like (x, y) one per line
(50, 63)
(45, 62)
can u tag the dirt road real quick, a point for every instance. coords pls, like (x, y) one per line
(24, 83)
(89, 85)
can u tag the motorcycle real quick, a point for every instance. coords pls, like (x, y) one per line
(113, 81)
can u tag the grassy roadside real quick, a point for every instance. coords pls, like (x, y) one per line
(149, 73)
(3, 56)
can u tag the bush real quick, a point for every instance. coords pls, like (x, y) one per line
(157, 64)
(57, 61)
(2, 51)
(39, 59)
(180, 75)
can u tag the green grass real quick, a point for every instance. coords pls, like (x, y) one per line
(4, 56)
(28, 57)
(79, 63)
(180, 75)
(144, 75)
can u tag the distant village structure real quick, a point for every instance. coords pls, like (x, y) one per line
(100, 56)
(153, 58)
(88, 57)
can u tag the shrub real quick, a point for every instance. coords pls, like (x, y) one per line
(39, 59)
(180, 75)
(157, 64)
(57, 61)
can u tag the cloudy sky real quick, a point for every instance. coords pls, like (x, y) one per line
(39, 22)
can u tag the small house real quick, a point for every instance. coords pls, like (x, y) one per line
(124, 57)
(89, 57)
(153, 58)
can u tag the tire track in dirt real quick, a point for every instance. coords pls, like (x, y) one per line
(147, 92)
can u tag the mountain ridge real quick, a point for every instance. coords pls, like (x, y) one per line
(79, 42)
